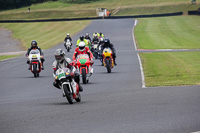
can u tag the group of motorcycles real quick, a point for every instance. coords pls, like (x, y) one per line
(66, 77)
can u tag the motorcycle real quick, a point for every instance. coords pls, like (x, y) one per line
(84, 66)
(94, 49)
(108, 59)
(67, 83)
(35, 62)
(67, 45)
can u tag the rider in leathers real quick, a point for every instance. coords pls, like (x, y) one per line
(68, 37)
(110, 45)
(34, 46)
(82, 49)
(63, 62)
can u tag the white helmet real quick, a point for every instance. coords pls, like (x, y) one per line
(81, 46)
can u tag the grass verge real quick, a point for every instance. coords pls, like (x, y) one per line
(3, 57)
(171, 68)
(178, 32)
(47, 34)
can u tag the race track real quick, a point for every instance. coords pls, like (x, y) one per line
(111, 103)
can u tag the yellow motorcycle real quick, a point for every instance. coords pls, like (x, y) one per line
(108, 59)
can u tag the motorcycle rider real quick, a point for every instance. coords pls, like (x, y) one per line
(82, 39)
(68, 37)
(110, 45)
(61, 61)
(95, 39)
(82, 49)
(87, 37)
(34, 46)
(101, 35)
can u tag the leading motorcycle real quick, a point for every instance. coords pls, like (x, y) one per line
(65, 80)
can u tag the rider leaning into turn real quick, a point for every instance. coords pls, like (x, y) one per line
(34, 46)
(62, 62)
(82, 49)
(110, 45)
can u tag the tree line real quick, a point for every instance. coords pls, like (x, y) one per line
(14, 4)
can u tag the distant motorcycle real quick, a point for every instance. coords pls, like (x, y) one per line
(67, 83)
(35, 62)
(84, 66)
(107, 59)
(67, 45)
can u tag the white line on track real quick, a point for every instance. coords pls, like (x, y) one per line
(141, 68)
(196, 132)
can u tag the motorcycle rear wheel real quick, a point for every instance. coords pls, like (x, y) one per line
(67, 94)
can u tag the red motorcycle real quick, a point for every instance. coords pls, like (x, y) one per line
(83, 64)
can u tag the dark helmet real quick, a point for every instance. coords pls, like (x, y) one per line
(33, 43)
(59, 55)
(107, 41)
(81, 38)
(100, 33)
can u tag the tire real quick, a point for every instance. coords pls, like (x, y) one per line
(108, 66)
(78, 99)
(84, 76)
(67, 94)
(35, 70)
(68, 49)
(96, 55)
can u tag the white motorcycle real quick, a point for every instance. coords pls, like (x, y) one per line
(35, 62)
(67, 45)
(65, 80)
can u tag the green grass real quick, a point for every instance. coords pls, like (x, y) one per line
(180, 32)
(47, 34)
(3, 57)
(127, 7)
(171, 69)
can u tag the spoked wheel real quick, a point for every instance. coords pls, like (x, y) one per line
(68, 94)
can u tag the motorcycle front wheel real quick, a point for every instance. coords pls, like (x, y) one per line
(35, 70)
(107, 62)
(68, 94)
(84, 76)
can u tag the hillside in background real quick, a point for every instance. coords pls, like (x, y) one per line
(68, 9)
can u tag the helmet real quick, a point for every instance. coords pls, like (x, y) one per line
(68, 34)
(101, 39)
(86, 34)
(33, 44)
(81, 46)
(100, 33)
(59, 55)
(107, 41)
(81, 38)
(95, 35)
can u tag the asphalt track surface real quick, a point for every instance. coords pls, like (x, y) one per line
(111, 103)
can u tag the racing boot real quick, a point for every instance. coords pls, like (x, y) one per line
(80, 88)
(114, 62)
